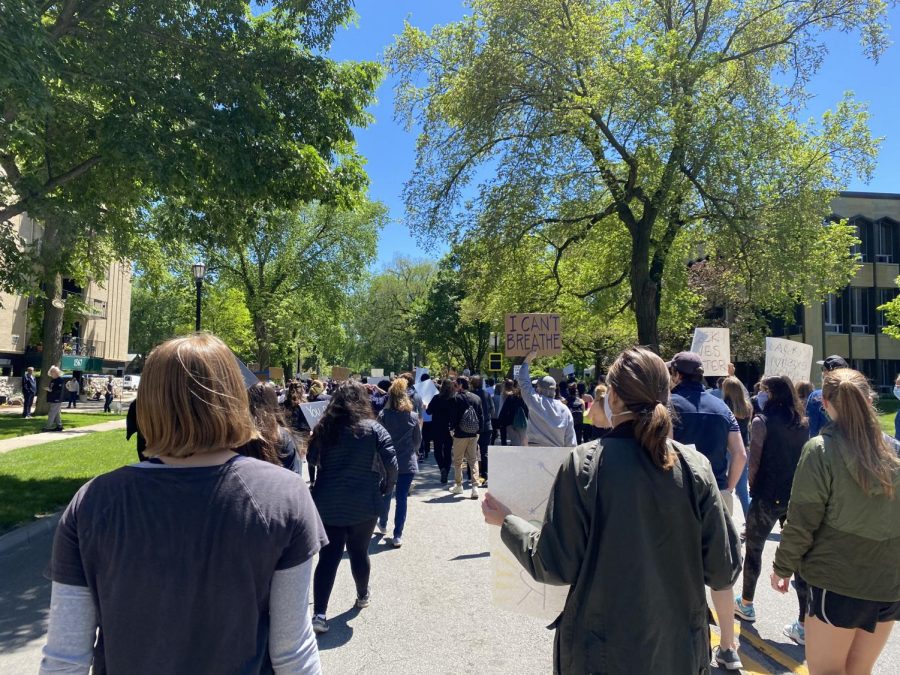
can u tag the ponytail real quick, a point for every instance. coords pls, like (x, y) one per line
(848, 392)
(641, 381)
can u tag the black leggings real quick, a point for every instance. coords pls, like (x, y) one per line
(443, 448)
(761, 518)
(356, 538)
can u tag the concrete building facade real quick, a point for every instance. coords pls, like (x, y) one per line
(848, 323)
(95, 340)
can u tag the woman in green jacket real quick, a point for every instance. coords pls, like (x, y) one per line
(636, 526)
(843, 532)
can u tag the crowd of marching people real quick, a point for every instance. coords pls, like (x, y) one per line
(219, 520)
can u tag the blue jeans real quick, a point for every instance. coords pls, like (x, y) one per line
(404, 482)
(742, 490)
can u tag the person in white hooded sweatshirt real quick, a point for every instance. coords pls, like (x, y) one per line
(550, 422)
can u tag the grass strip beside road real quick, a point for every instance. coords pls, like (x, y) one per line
(41, 479)
(13, 426)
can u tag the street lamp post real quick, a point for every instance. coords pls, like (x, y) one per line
(199, 271)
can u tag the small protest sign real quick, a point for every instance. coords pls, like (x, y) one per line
(714, 347)
(557, 374)
(427, 390)
(525, 332)
(313, 412)
(569, 370)
(522, 479)
(787, 357)
(420, 371)
(516, 370)
(340, 374)
(377, 372)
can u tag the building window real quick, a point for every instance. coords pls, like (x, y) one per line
(883, 296)
(887, 373)
(884, 241)
(862, 233)
(834, 316)
(98, 310)
(860, 308)
(867, 367)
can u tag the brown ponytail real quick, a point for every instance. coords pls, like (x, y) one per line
(641, 381)
(848, 393)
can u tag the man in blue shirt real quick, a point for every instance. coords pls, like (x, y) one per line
(706, 422)
(814, 410)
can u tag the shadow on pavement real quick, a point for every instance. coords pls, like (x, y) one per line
(24, 594)
(472, 556)
(339, 631)
(446, 499)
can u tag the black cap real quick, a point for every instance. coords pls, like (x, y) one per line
(687, 363)
(833, 362)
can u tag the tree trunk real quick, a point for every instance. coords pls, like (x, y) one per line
(263, 348)
(51, 337)
(645, 291)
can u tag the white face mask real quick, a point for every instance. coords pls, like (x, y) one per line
(897, 391)
(761, 399)
(606, 408)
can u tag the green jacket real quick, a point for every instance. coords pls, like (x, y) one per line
(637, 545)
(836, 536)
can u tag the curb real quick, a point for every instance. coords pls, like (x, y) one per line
(24, 535)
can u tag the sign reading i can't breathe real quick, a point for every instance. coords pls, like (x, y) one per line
(787, 357)
(525, 332)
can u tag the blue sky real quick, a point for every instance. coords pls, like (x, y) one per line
(390, 150)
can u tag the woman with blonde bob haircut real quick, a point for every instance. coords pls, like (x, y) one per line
(842, 533)
(634, 495)
(202, 555)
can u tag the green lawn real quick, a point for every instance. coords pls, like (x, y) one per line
(42, 479)
(12, 426)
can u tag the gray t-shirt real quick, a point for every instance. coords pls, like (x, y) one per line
(180, 561)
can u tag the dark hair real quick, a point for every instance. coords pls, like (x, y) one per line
(349, 408)
(295, 395)
(446, 388)
(641, 381)
(783, 399)
(264, 409)
(804, 389)
(463, 382)
(581, 388)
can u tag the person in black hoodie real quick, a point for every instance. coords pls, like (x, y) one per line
(441, 410)
(777, 436)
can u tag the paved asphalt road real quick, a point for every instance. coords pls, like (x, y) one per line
(431, 610)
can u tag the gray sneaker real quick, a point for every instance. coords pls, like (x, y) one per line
(363, 602)
(728, 658)
(320, 625)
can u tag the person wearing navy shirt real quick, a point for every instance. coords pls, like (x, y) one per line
(29, 390)
(707, 423)
(814, 410)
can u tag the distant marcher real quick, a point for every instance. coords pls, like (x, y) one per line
(402, 423)
(550, 422)
(29, 391)
(427, 427)
(576, 406)
(441, 410)
(738, 402)
(843, 532)
(496, 430)
(351, 450)
(777, 438)
(487, 415)
(513, 418)
(596, 414)
(108, 395)
(240, 534)
(467, 422)
(815, 411)
(263, 401)
(804, 389)
(637, 602)
(55, 399)
(73, 388)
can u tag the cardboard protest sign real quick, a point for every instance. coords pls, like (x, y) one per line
(714, 347)
(377, 373)
(525, 332)
(313, 412)
(340, 374)
(569, 370)
(786, 357)
(522, 478)
(427, 390)
(557, 374)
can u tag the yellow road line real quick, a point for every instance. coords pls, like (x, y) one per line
(751, 666)
(780, 657)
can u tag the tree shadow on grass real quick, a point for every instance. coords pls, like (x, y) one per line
(22, 500)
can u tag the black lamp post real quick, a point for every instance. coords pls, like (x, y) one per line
(199, 270)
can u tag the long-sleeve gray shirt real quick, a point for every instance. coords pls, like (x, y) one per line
(550, 422)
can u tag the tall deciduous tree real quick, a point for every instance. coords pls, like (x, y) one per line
(644, 127)
(108, 107)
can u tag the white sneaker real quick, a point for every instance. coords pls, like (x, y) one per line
(474, 493)
(456, 489)
(381, 529)
(796, 631)
(397, 542)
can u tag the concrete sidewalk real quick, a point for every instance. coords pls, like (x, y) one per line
(30, 440)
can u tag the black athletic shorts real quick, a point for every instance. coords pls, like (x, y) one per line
(841, 611)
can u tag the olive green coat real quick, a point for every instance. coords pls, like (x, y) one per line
(638, 545)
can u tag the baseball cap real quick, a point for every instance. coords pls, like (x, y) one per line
(547, 382)
(687, 363)
(833, 362)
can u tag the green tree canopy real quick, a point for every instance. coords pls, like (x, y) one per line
(639, 130)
